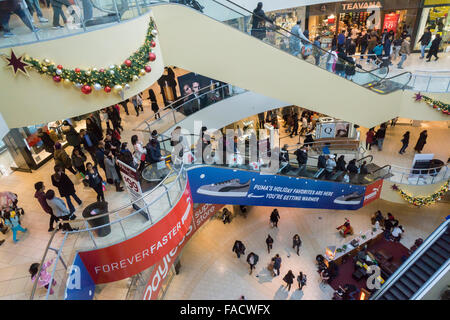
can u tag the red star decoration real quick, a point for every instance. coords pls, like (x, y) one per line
(16, 64)
(418, 96)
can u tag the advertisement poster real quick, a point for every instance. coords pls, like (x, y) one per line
(192, 82)
(131, 181)
(134, 255)
(241, 187)
(391, 22)
(79, 285)
(373, 192)
(201, 214)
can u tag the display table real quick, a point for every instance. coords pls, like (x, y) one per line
(370, 236)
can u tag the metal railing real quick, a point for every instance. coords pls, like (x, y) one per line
(414, 176)
(432, 81)
(435, 235)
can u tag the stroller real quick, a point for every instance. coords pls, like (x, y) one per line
(8, 203)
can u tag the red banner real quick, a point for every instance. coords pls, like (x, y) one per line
(134, 255)
(391, 22)
(373, 192)
(202, 213)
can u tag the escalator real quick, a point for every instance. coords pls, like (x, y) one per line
(218, 43)
(422, 269)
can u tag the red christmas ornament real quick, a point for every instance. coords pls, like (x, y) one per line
(148, 69)
(101, 70)
(107, 89)
(153, 44)
(434, 106)
(86, 89)
(77, 70)
(151, 56)
(57, 78)
(128, 63)
(59, 66)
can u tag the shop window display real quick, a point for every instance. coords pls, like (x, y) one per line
(438, 21)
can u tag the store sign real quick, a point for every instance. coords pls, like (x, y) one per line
(327, 130)
(373, 192)
(363, 5)
(391, 22)
(161, 270)
(134, 255)
(241, 187)
(79, 285)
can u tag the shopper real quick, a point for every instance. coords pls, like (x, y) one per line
(90, 143)
(259, 22)
(252, 260)
(274, 217)
(72, 136)
(405, 142)
(397, 46)
(381, 133)
(405, 51)
(332, 58)
(269, 242)
(139, 152)
(289, 279)
(58, 12)
(351, 167)
(78, 160)
(8, 7)
(226, 216)
(277, 263)
(363, 168)
(434, 48)
(154, 102)
(49, 144)
(136, 103)
(302, 156)
(295, 42)
(100, 155)
(93, 130)
(12, 220)
(95, 181)
(341, 164)
(238, 248)
(261, 119)
(341, 40)
(62, 159)
(421, 141)
(171, 81)
(330, 166)
(372, 43)
(396, 233)
(60, 210)
(114, 116)
(301, 280)
(40, 196)
(296, 243)
(424, 42)
(317, 51)
(65, 187)
(295, 125)
(112, 177)
(44, 277)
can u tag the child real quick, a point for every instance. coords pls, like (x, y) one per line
(44, 277)
(12, 220)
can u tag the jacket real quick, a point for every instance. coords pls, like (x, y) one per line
(94, 179)
(404, 49)
(62, 159)
(425, 38)
(255, 258)
(289, 278)
(277, 263)
(100, 155)
(93, 129)
(378, 50)
(296, 242)
(381, 133)
(274, 216)
(110, 169)
(93, 138)
(153, 153)
(302, 156)
(65, 185)
(12, 222)
(78, 161)
(59, 207)
(44, 277)
(238, 247)
(43, 202)
(435, 45)
(73, 137)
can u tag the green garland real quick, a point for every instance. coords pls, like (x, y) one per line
(115, 77)
(436, 104)
(423, 200)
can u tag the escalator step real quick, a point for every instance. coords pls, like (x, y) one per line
(414, 278)
(398, 293)
(409, 284)
(404, 289)
(444, 245)
(419, 273)
(389, 296)
(430, 262)
(425, 267)
(441, 249)
(435, 256)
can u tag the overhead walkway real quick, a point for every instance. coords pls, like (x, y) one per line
(423, 269)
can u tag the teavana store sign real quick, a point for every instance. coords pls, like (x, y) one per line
(360, 5)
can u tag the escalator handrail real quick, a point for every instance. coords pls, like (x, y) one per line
(430, 240)
(368, 156)
(293, 35)
(387, 165)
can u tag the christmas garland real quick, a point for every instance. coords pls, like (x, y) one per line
(423, 200)
(436, 104)
(116, 78)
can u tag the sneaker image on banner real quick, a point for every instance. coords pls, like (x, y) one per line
(350, 199)
(228, 188)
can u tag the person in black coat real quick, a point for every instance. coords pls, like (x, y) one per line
(421, 141)
(72, 136)
(252, 260)
(172, 82)
(351, 167)
(49, 144)
(308, 139)
(162, 83)
(238, 248)
(155, 108)
(95, 181)
(434, 48)
(65, 187)
(341, 164)
(295, 126)
(100, 155)
(274, 217)
(302, 155)
(405, 142)
(93, 129)
(321, 161)
(269, 242)
(114, 116)
(296, 243)
(424, 41)
(90, 143)
(259, 19)
(381, 133)
(289, 279)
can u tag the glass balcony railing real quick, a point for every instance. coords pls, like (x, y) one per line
(88, 15)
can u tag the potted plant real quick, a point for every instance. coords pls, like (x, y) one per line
(363, 237)
(344, 247)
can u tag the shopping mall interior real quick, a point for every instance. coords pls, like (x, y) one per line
(224, 150)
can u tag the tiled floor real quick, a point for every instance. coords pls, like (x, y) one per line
(210, 270)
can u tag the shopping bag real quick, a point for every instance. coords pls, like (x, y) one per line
(103, 185)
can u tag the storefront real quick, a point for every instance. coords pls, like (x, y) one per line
(435, 16)
(322, 22)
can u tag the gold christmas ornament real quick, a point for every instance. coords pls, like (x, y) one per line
(117, 88)
(67, 82)
(46, 61)
(135, 78)
(88, 73)
(44, 69)
(142, 72)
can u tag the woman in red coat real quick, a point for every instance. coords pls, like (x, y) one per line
(370, 138)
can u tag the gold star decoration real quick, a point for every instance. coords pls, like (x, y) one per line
(16, 64)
